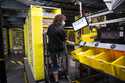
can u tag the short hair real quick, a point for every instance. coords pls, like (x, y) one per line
(59, 18)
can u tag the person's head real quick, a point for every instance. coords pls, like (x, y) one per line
(59, 19)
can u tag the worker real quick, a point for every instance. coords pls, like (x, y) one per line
(56, 45)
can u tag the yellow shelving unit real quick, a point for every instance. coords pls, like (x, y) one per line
(89, 35)
(11, 38)
(5, 41)
(73, 36)
(34, 41)
(48, 15)
(110, 59)
(16, 40)
(33, 34)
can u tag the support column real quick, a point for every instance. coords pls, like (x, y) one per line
(2, 57)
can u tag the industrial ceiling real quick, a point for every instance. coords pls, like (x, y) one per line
(15, 9)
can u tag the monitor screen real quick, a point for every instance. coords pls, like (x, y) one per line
(82, 22)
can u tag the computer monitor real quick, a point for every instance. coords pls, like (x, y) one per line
(80, 23)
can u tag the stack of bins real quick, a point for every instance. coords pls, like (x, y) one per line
(105, 60)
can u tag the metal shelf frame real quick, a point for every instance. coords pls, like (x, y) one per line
(119, 47)
(100, 14)
(117, 3)
(108, 22)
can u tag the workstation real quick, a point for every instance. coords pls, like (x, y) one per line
(94, 41)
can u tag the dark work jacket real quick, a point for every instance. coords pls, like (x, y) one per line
(56, 38)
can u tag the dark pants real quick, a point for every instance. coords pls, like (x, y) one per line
(58, 61)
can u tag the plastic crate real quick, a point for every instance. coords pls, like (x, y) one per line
(119, 66)
(89, 37)
(75, 54)
(104, 62)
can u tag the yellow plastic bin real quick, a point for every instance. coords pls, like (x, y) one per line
(119, 66)
(90, 37)
(88, 55)
(104, 62)
(75, 54)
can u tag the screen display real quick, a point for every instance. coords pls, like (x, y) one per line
(80, 23)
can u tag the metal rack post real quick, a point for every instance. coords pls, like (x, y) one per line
(2, 57)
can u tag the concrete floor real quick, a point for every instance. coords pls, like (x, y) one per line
(15, 70)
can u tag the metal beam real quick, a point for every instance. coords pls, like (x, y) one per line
(20, 15)
(108, 22)
(120, 47)
(100, 14)
(119, 5)
(13, 4)
(30, 2)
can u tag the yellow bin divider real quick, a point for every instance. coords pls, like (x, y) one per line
(95, 63)
(86, 58)
(119, 66)
(75, 54)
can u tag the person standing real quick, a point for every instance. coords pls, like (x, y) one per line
(56, 45)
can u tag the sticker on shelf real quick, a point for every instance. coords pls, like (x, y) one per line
(121, 33)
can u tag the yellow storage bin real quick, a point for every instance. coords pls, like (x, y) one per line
(90, 37)
(103, 62)
(78, 52)
(119, 66)
(88, 56)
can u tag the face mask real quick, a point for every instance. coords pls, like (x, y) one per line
(63, 23)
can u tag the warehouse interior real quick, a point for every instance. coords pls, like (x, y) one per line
(95, 43)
